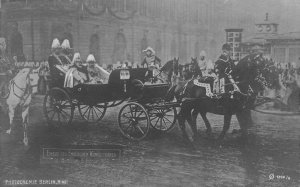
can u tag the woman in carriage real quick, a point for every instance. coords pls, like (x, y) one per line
(77, 73)
(96, 73)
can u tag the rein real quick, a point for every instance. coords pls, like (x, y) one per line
(27, 89)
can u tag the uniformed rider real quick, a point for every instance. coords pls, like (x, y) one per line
(151, 61)
(222, 68)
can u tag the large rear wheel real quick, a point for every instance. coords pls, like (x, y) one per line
(58, 108)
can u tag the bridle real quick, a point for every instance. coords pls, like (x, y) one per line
(27, 91)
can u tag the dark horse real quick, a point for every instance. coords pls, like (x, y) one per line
(240, 92)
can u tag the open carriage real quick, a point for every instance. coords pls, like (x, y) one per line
(146, 104)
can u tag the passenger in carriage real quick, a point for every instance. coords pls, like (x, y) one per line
(79, 72)
(54, 58)
(94, 72)
(203, 62)
(66, 53)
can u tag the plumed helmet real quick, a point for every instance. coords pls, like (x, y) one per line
(66, 44)
(76, 57)
(55, 44)
(226, 47)
(203, 53)
(90, 58)
(149, 49)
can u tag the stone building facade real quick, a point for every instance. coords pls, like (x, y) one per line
(114, 30)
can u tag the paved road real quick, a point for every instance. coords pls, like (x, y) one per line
(161, 159)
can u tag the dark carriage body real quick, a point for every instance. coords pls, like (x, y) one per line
(116, 89)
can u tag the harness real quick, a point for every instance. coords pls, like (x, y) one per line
(27, 91)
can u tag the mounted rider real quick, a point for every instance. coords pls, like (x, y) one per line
(223, 67)
(151, 61)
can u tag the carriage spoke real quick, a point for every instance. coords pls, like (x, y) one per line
(156, 122)
(168, 120)
(65, 113)
(97, 114)
(140, 129)
(130, 125)
(88, 117)
(64, 116)
(85, 111)
(99, 110)
(131, 111)
(51, 118)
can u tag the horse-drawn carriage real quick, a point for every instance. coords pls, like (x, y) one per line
(146, 103)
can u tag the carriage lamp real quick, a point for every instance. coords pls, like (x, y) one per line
(125, 75)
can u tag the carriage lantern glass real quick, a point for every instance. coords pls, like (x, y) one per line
(124, 74)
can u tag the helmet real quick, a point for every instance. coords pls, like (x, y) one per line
(149, 49)
(66, 44)
(90, 58)
(226, 47)
(55, 44)
(203, 53)
(76, 58)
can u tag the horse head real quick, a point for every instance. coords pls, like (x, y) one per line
(251, 70)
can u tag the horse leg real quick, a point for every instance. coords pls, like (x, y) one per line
(185, 115)
(206, 122)
(25, 117)
(227, 120)
(25, 124)
(243, 122)
(11, 114)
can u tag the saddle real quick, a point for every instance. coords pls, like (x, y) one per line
(213, 86)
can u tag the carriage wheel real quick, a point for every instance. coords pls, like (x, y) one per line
(163, 119)
(92, 113)
(4, 92)
(58, 107)
(134, 121)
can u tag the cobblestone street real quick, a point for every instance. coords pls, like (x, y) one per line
(271, 158)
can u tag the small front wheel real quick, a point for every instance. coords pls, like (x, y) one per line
(134, 121)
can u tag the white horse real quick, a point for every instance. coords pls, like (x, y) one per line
(22, 87)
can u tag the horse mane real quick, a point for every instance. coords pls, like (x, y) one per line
(168, 65)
